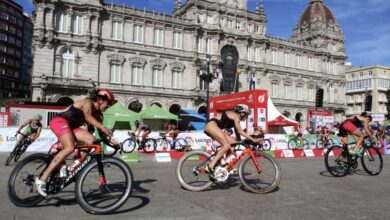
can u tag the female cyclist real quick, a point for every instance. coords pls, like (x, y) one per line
(225, 120)
(34, 128)
(66, 126)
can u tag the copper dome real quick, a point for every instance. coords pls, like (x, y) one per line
(317, 10)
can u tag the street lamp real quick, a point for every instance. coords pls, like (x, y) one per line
(207, 74)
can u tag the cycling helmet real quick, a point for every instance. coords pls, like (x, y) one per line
(38, 117)
(106, 94)
(242, 108)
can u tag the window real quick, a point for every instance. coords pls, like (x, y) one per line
(370, 72)
(136, 77)
(177, 79)
(274, 90)
(18, 43)
(311, 63)
(77, 24)
(159, 37)
(116, 33)
(238, 25)
(230, 24)
(287, 91)
(249, 53)
(12, 30)
(68, 67)
(11, 40)
(286, 59)
(138, 34)
(334, 68)
(3, 26)
(62, 22)
(177, 40)
(115, 73)
(4, 16)
(157, 77)
(3, 48)
(311, 94)
(3, 37)
(201, 45)
(209, 46)
(299, 61)
(13, 20)
(257, 54)
(274, 57)
(209, 19)
(299, 93)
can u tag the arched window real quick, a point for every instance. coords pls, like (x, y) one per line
(68, 66)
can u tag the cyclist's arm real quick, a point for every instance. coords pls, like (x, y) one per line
(24, 125)
(87, 110)
(366, 127)
(37, 135)
(239, 131)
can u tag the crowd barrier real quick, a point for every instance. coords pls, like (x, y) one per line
(197, 140)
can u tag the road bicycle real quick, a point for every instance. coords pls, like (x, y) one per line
(257, 171)
(295, 143)
(339, 161)
(102, 183)
(266, 145)
(323, 142)
(131, 143)
(19, 149)
(179, 144)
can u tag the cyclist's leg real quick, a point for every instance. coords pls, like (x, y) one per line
(215, 132)
(84, 137)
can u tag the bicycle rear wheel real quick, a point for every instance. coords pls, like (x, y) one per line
(372, 161)
(21, 188)
(267, 144)
(260, 181)
(292, 144)
(181, 144)
(98, 198)
(128, 145)
(162, 145)
(22, 149)
(149, 145)
(190, 171)
(337, 161)
(320, 144)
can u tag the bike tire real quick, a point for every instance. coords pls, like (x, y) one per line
(319, 144)
(372, 161)
(336, 161)
(12, 154)
(41, 161)
(150, 145)
(22, 149)
(128, 145)
(180, 145)
(92, 202)
(292, 144)
(260, 182)
(161, 144)
(305, 144)
(267, 144)
(189, 171)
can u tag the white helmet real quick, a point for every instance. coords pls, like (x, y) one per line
(242, 108)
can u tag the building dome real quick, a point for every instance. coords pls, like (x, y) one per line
(317, 11)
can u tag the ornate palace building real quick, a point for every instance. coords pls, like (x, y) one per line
(148, 57)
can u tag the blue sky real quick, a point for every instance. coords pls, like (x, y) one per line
(365, 23)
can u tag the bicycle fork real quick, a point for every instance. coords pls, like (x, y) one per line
(257, 165)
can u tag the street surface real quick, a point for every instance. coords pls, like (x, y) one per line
(307, 191)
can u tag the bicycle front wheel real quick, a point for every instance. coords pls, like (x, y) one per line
(292, 144)
(262, 180)
(22, 149)
(372, 161)
(190, 171)
(320, 144)
(337, 161)
(21, 188)
(162, 145)
(128, 145)
(267, 144)
(103, 198)
(181, 144)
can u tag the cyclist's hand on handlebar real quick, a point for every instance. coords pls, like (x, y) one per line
(106, 131)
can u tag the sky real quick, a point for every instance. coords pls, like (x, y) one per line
(365, 23)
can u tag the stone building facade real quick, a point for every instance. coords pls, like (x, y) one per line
(148, 57)
(374, 80)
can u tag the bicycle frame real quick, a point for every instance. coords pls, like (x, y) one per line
(249, 151)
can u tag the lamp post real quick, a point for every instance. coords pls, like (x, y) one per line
(207, 74)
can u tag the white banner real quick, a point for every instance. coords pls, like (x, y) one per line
(197, 140)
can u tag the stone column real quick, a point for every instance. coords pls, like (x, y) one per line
(40, 17)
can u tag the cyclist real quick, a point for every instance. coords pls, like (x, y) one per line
(380, 135)
(139, 127)
(33, 129)
(258, 133)
(324, 134)
(297, 132)
(67, 127)
(353, 125)
(225, 120)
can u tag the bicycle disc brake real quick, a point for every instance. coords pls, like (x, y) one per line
(221, 174)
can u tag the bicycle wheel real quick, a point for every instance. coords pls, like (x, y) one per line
(372, 161)
(128, 145)
(337, 161)
(162, 145)
(12, 154)
(22, 149)
(267, 144)
(190, 171)
(21, 188)
(149, 145)
(180, 145)
(320, 144)
(292, 144)
(329, 143)
(305, 144)
(98, 198)
(260, 181)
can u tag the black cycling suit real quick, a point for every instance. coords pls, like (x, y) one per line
(224, 123)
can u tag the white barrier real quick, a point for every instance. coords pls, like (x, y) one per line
(197, 140)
